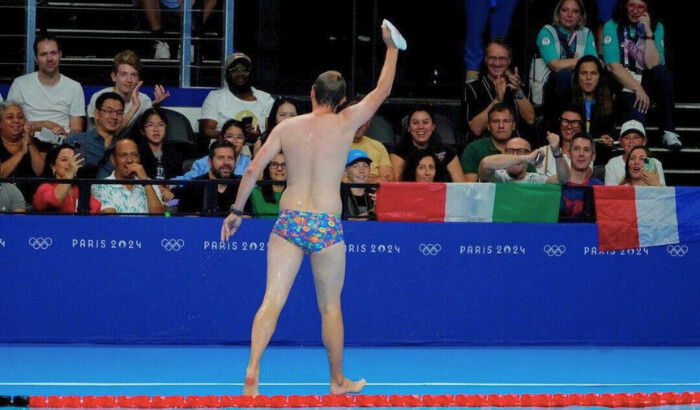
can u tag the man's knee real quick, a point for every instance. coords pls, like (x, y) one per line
(329, 308)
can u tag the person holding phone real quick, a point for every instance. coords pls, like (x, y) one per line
(632, 134)
(633, 50)
(640, 169)
(499, 84)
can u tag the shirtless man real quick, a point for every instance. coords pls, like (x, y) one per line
(315, 147)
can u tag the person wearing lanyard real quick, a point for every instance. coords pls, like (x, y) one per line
(633, 50)
(561, 44)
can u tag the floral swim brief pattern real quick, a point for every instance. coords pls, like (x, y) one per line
(310, 231)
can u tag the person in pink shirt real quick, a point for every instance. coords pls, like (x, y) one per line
(62, 163)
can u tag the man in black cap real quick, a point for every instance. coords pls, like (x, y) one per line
(239, 101)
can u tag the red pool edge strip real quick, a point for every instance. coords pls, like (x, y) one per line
(611, 400)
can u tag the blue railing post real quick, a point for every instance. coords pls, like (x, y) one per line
(31, 36)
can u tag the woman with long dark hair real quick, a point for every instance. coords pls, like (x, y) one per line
(421, 134)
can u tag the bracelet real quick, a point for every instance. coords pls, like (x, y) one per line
(236, 211)
(520, 95)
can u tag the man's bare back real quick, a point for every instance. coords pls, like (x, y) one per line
(315, 147)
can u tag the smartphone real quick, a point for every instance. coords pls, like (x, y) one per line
(247, 120)
(649, 164)
(539, 159)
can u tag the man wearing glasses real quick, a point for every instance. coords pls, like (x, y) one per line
(239, 101)
(512, 166)
(95, 145)
(498, 85)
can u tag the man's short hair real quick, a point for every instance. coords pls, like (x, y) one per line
(113, 151)
(108, 96)
(219, 144)
(126, 57)
(500, 107)
(329, 88)
(501, 41)
(584, 136)
(45, 36)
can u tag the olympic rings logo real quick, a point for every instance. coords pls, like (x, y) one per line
(172, 244)
(429, 249)
(40, 243)
(554, 250)
(677, 250)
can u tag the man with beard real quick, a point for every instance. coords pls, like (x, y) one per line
(239, 101)
(196, 198)
(95, 145)
(49, 99)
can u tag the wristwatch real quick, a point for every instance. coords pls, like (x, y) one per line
(236, 211)
(519, 95)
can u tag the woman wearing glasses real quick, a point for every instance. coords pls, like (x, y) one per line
(266, 198)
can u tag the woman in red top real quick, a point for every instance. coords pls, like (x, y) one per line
(62, 163)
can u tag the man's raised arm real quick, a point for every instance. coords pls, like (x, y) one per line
(360, 113)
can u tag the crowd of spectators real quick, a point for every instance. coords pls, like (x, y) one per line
(561, 127)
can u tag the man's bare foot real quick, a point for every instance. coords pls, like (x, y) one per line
(250, 386)
(348, 386)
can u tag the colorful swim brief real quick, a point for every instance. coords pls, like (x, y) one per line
(310, 231)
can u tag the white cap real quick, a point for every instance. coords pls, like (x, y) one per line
(632, 125)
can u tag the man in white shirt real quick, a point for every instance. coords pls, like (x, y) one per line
(133, 198)
(126, 76)
(632, 134)
(237, 101)
(49, 99)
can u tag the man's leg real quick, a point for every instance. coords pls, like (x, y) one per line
(283, 261)
(328, 266)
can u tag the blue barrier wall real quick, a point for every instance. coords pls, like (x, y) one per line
(169, 280)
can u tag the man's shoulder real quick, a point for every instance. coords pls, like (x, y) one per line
(70, 83)
(96, 94)
(218, 93)
(260, 94)
(25, 79)
(82, 136)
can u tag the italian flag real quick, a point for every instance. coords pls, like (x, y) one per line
(633, 217)
(468, 202)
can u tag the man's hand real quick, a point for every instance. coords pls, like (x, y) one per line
(386, 36)
(513, 80)
(166, 193)
(553, 140)
(135, 97)
(501, 86)
(137, 171)
(606, 139)
(230, 225)
(159, 94)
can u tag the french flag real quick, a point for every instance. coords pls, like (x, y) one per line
(633, 217)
